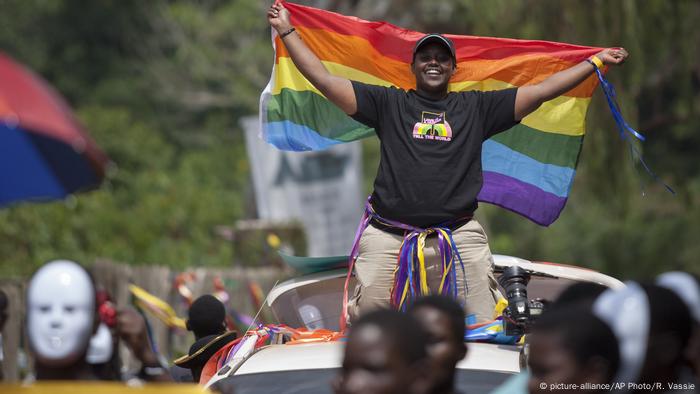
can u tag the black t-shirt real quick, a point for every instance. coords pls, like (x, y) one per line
(430, 167)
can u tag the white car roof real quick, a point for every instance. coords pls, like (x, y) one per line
(321, 295)
(562, 271)
(327, 355)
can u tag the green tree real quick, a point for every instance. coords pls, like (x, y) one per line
(161, 86)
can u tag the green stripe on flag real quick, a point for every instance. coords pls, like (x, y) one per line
(549, 148)
(317, 113)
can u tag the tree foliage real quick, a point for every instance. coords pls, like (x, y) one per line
(161, 86)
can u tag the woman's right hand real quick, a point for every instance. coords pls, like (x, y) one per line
(278, 16)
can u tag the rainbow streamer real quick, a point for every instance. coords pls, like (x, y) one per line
(528, 169)
(410, 274)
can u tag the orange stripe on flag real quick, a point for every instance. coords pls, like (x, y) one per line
(356, 52)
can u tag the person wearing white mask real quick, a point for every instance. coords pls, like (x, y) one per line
(62, 318)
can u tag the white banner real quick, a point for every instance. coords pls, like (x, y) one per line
(322, 190)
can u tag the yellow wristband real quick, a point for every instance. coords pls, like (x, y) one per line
(596, 60)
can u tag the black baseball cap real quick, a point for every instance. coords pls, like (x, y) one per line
(435, 37)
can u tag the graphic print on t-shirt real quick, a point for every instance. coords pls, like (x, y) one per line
(433, 126)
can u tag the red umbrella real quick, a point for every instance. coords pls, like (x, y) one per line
(44, 152)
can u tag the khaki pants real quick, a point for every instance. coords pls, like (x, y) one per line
(377, 260)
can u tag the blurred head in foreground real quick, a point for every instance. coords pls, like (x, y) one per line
(385, 353)
(579, 293)
(571, 345)
(670, 328)
(687, 287)
(652, 326)
(443, 320)
(61, 318)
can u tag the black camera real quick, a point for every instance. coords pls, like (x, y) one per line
(521, 312)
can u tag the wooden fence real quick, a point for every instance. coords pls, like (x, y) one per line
(159, 281)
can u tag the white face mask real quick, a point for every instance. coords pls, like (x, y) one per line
(100, 349)
(61, 311)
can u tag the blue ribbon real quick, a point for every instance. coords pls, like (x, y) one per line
(461, 264)
(410, 260)
(623, 126)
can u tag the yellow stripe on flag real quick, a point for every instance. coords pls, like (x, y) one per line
(564, 115)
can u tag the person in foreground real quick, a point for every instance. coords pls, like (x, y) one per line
(652, 326)
(687, 287)
(430, 166)
(670, 329)
(62, 317)
(385, 353)
(571, 346)
(443, 320)
(579, 296)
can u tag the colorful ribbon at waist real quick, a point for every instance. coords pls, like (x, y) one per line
(410, 274)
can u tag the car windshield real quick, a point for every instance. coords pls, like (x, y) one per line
(318, 381)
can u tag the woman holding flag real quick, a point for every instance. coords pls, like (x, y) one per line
(418, 235)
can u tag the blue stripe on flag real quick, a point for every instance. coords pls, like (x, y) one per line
(496, 157)
(286, 135)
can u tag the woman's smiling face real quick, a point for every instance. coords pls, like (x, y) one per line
(433, 67)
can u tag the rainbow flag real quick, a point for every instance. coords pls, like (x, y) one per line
(528, 169)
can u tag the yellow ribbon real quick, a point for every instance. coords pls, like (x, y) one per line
(423, 273)
(157, 307)
(501, 306)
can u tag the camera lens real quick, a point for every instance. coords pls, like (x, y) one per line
(514, 281)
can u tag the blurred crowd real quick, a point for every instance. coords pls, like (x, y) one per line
(646, 334)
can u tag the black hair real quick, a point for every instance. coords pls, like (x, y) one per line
(579, 293)
(668, 314)
(206, 316)
(583, 334)
(404, 334)
(449, 307)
